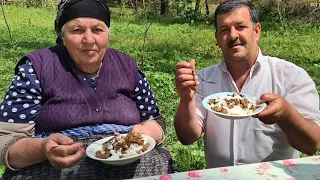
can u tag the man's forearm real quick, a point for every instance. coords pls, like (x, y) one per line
(302, 134)
(186, 123)
(25, 152)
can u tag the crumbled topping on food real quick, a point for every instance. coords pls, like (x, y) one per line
(123, 146)
(234, 104)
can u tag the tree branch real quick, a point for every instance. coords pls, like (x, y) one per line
(5, 19)
(145, 35)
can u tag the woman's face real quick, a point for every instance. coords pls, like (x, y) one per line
(86, 40)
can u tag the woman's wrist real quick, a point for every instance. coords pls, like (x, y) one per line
(150, 128)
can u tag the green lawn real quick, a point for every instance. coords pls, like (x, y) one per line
(168, 42)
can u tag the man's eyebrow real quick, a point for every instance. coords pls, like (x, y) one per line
(240, 22)
(237, 23)
(224, 26)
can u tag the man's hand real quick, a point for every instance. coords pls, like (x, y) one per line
(302, 134)
(186, 119)
(186, 80)
(61, 151)
(277, 110)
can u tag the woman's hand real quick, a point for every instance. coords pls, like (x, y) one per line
(61, 151)
(139, 128)
(150, 128)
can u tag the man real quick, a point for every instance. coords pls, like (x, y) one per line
(289, 123)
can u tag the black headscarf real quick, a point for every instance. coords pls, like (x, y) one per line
(71, 9)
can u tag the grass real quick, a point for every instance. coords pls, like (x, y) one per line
(168, 42)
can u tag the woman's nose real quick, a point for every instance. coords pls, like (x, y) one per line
(88, 37)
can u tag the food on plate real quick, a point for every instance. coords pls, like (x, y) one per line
(233, 104)
(123, 146)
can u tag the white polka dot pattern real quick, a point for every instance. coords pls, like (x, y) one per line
(22, 101)
(144, 98)
(22, 116)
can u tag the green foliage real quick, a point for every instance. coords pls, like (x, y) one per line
(169, 41)
(1, 171)
(289, 9)
(189, 157)
(37, 3)
(186, 11)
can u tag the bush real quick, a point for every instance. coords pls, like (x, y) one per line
(302, 9)
(37, 3)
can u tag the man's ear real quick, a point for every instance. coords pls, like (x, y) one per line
(257, 30)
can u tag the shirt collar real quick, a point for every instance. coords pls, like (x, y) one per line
(257, 65)
(215, 77)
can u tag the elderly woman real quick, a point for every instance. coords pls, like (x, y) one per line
(71, 94)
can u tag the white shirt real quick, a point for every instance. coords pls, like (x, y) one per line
(235, 142)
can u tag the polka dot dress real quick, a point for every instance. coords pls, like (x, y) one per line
(144, 99)
(22, 101)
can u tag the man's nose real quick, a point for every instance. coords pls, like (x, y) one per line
(88, 37)
(233, 33)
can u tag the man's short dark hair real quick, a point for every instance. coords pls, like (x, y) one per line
(228, 6)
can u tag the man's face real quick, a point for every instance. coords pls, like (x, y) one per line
(237, 36)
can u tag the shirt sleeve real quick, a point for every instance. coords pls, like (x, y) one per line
(302, 94)
(10, 133)
(144, 98)
(21, 103)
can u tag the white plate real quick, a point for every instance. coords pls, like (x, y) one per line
(97, 146)
(231, 116)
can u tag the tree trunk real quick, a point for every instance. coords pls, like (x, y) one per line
(164, 7)
(134, 6)
(197, 9)
(207, 8)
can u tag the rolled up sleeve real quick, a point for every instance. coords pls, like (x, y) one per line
(10, 133)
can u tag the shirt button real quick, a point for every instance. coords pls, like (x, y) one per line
(92, 81)
(98, 109)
